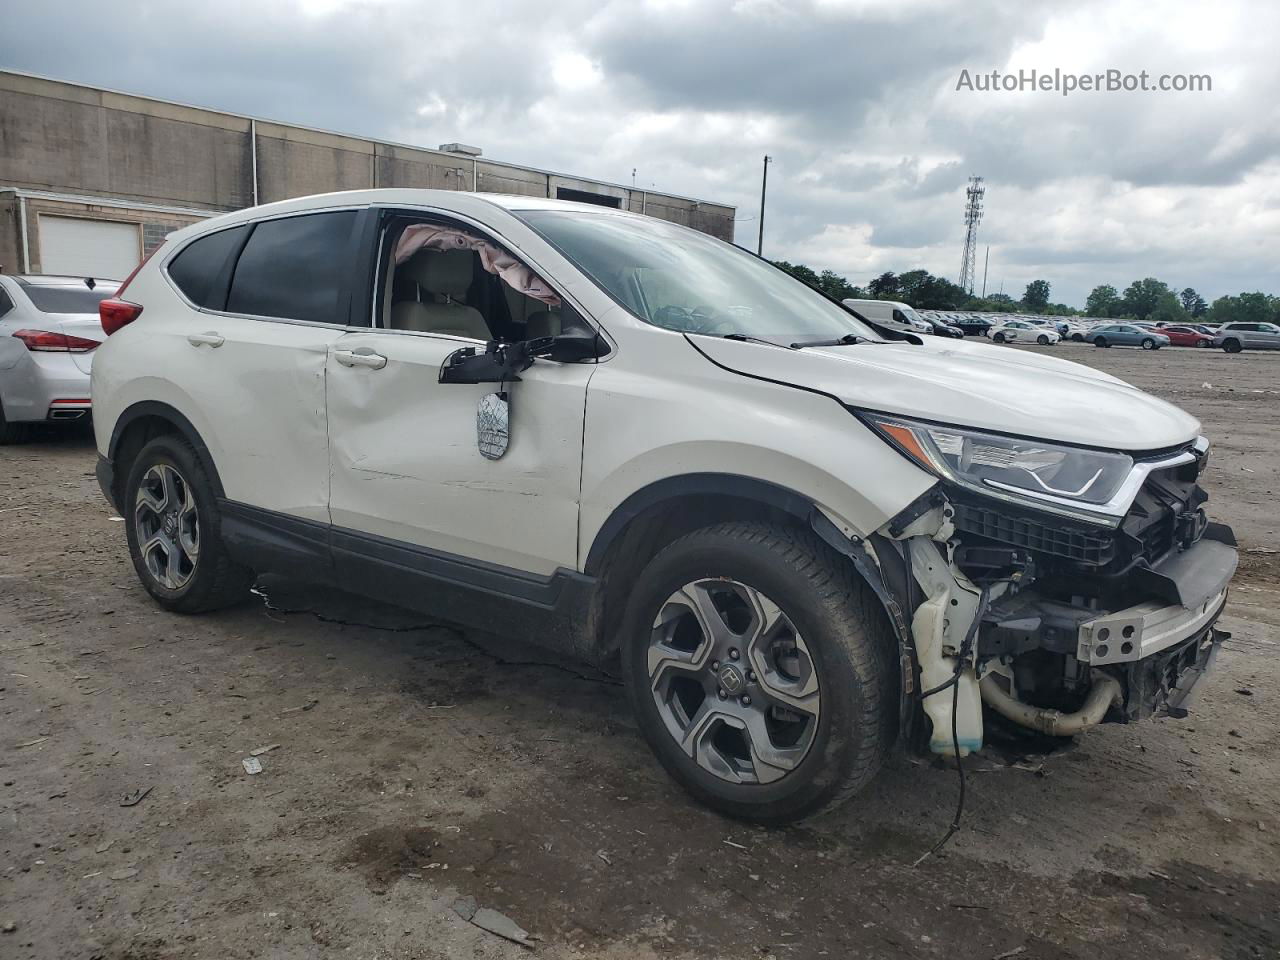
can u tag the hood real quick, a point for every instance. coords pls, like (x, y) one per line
(971, 384)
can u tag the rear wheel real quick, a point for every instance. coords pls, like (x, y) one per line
(998, 338)
(760, 670)
(11, 432)
(1232, 346)
(1100, 342)
(174, 531)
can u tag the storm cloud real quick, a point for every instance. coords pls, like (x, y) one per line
(855, 100)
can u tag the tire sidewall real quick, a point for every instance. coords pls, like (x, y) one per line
(825, 767)
(177, 454)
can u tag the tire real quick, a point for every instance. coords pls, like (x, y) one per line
(1042, 340)
(998, 338)
(1204, 343)
(1077, 338)
(1148, 343)
(11, 432)
(208, 579)
(1101, 342)
(1232, 346)
(832, 635)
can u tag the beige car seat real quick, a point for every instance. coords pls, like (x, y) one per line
(443, 277)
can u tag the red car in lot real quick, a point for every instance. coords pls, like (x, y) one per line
(1185, 336)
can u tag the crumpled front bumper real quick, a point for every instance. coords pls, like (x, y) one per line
(1164, 684)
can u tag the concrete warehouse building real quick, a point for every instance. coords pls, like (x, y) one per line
(92, 180)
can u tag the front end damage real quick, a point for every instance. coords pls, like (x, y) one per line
(1052, 622)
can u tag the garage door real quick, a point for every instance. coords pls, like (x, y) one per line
(74, 247)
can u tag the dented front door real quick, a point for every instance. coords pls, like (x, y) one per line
(406, 466)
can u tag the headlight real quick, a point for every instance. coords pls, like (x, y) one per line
(1068, 480)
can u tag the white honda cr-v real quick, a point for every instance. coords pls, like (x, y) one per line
(805, 537)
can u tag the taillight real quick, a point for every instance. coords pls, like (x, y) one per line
(46, 342)
(115, 314)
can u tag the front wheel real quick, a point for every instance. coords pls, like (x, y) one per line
(1148, 343)
(760, 669)
(1204, 343)
(1077, 338)
(1232, 346)
(174, 531)
(1101, 342)
(1042, 340)
(998, 338)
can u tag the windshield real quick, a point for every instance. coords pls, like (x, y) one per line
(67, 299)
(677, 278)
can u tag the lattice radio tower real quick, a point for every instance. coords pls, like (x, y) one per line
(972, 217)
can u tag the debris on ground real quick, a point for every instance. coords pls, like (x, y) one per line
(491, 921)
(251, 765)
(306, 706)
(1009, 953)
(261, 750)
(30, 743)
(125, 874)
(604, 856)
(135, 798)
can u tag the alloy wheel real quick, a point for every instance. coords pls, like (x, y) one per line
(167, 526)
(733, 680)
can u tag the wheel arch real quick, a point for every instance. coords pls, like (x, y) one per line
(142, 422)
(665, 510)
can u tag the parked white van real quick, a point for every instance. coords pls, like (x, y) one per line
(891, 313)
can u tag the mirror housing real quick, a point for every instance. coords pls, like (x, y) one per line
(570, 347)
(500, 363)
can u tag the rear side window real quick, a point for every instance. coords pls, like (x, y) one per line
(296, 268)
(200, 270)
(5, 303)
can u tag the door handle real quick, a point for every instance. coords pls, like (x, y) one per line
(208, 339)
(360, 358)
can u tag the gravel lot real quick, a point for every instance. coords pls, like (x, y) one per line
(416, 764)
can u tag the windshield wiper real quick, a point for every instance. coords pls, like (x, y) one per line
(747, 338)
(847, 340)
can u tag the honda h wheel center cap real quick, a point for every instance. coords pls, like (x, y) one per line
(731, 679)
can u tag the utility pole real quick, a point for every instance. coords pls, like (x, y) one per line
(972, 215)
(986, 263)
(764, 183)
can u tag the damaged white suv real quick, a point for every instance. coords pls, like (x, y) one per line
(804, 536)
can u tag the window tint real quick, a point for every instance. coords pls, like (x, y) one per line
(198, 269)
(66, 299)
(295, 268)
(5, 303)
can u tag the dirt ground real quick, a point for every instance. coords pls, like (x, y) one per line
(416, 764)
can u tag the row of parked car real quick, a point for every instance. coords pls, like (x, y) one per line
(1233, 337)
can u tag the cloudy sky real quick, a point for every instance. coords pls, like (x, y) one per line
(855, 100)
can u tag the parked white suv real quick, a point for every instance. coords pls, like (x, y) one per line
(803, 536)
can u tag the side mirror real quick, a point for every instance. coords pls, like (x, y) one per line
(570, 347)
(500, 363)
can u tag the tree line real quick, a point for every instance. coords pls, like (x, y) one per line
(1148, 299)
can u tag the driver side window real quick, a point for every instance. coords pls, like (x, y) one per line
(443, 278)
